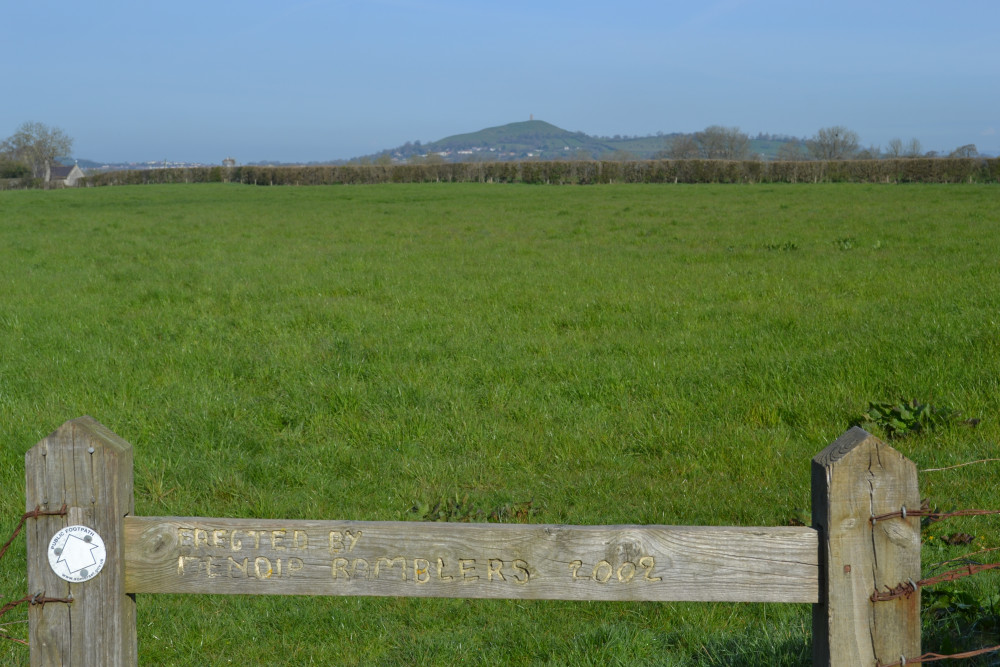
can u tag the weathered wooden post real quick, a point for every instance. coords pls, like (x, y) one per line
(857, 477)
(89, 469)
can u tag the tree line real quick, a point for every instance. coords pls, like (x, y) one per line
(716, 142)
(903, 170)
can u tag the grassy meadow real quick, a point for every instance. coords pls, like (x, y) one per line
(664, 354)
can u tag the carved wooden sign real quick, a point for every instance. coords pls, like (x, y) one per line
(286, 557)
(86, 469)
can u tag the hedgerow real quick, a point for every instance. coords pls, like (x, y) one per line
(920, 170)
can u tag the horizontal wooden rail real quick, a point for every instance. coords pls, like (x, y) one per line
(836, 564)
(411, 559)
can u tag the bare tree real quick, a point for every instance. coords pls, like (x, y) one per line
(791, 151)
(37, 145)
(712, 142)
(897, 148)
(873, 152)
(737, 144)
(682, 147)
(894, 148)
(913, 148)
(723, 143)
(968, 150)
(834, 143)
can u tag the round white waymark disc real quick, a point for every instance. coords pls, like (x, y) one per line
(77, 553)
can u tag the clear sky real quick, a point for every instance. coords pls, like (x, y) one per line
(136, 80)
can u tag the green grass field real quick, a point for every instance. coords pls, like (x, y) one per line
(586, 355)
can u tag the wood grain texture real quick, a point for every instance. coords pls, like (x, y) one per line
(854, 478)
(248, 556)
(86, 467)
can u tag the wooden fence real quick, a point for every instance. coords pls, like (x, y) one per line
(835, 565)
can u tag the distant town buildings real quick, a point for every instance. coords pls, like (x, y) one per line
(151, 164)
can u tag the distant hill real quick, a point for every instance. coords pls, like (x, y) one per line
(532, 139)
(539, 140)
(533, 136)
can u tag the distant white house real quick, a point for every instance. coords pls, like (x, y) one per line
(67, 175)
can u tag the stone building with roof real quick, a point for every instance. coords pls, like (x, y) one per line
(67, 175)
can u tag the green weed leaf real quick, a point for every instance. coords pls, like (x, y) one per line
(906, 417)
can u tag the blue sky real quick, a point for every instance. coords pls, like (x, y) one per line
(132, 80)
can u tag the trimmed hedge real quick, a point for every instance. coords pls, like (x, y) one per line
(919, 170)
(25, 183)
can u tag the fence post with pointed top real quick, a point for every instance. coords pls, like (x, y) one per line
(856, 477)
(89, 469)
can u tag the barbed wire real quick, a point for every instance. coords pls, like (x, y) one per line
(964, 558)
(38, 598)
(937, 516)
(4, 635)
(13, 639)
(908, 588)
(934, 657)
(959, 465)
(38, 511)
